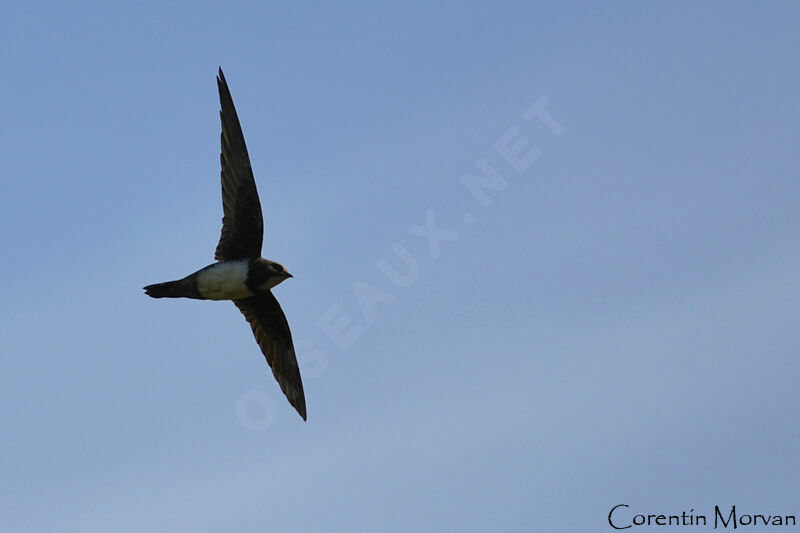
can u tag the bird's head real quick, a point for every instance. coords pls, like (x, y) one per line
(268, 273)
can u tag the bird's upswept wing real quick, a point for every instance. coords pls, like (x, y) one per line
(272, 333)
(242, 223)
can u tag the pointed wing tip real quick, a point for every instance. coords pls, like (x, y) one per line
(222, 84)
(299, 404)
(293, 392)
(296, 399)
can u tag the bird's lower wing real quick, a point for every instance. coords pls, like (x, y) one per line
(272, 333)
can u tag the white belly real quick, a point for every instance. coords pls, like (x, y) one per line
(224, 281)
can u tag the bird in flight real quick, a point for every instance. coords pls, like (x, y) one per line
(240, 273)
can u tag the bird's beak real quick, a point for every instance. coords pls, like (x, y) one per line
(289, 275)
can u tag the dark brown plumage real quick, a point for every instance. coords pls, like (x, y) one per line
(272, 333)
(242, 223)
(242, 234)
(241, 274)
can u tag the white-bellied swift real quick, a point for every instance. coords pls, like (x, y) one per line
(240, 273)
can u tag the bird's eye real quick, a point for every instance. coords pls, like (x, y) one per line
(279, 268)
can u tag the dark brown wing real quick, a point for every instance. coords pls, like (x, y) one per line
(242, 224)
(273, 336)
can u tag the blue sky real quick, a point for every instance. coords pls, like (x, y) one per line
(617, 325)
